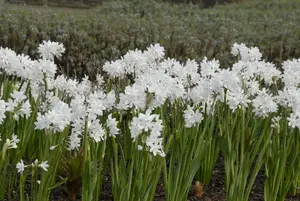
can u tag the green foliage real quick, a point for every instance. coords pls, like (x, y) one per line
(94, 36)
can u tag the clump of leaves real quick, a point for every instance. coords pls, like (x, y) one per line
(71, 168)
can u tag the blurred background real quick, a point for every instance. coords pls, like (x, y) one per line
(96, 31)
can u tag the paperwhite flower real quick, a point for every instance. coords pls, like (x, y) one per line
(264, 104)
(25, 110)
(209, 68)
(20, 166)
(2, 110)
(247, 54)
(46, 66)
(57, 118)
(111, 123)
(96, 102)
(134, 96)
(96, 131)
(11, 105)
(18, 96)
(192, 118)
(100, 80)
(148, 122)
(115, 69)
(50, 49)
(155, 145)
(44, 165)
(275, 122)
(237, 99)
(133, 61)
(15, 139)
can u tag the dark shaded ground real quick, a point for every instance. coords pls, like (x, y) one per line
(214, 192)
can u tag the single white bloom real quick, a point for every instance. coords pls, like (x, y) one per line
(44, 165)
(18, 96)
(20, 166)
(111, 123)
(192, 118)
(2, 110)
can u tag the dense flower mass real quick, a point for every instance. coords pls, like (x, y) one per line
(154, 81)
(143, 108)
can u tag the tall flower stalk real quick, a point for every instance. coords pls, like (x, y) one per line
(185, 152)
(244, 146)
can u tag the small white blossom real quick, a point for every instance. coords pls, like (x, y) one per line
(44, 165)
(111, 123)
(20, 166)
(192, 118)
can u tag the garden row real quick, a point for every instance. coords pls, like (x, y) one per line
(154, 118)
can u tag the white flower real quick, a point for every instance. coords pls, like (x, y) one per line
(148, 122)
(35, 163)
(25, 109)
(96, 131)
(132, 61)
(145, 120)
(192, 118)
(155, 145)
(134, 96)
(96, 102)
(11, 105)
(115, 69)
(275, 122)
(100, 80)
(247, 54)
(264, 104)
(20, 166)
(237, 99)
(53, 147)
(15, 139)
(50, 49)
(111, 123)
(57, 118)
(155, 51)
(18, 96)
(209, 68)
(110, 100)
(44, 165)
(76, 133)
(2, 111)
(46, 66)
(11, 144)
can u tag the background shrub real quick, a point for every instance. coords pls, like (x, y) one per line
(105, 33)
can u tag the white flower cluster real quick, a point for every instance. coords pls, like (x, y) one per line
(11, 144)
(198, 85)
(156, 80)
(21, 166)
(148, 123)
(192, 118)
(48, 50)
